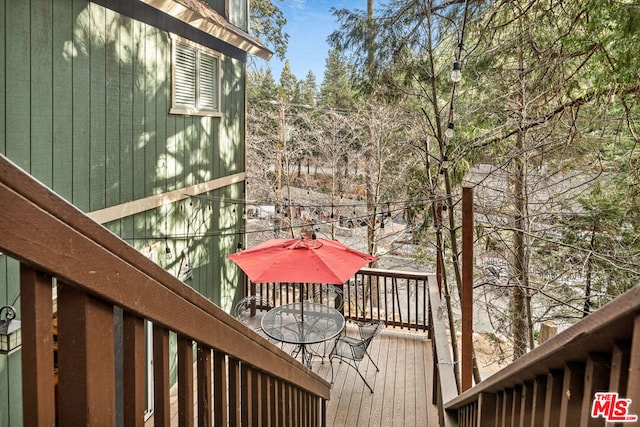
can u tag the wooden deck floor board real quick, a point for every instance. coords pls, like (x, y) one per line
(402, 388)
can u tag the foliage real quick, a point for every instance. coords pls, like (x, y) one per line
(267, 23)
(546, 121)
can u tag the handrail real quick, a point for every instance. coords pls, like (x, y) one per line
(444, 384)
(50, 235)
(399, 298)
(558, 380)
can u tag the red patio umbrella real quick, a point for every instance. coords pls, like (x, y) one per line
(301, 261)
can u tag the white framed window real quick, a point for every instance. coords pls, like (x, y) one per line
(196, 79)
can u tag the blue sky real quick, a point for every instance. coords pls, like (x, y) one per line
(309, 23)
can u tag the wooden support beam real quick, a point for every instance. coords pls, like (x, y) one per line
(467, 288)
(38, 389)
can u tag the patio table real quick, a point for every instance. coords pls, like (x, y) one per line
(286, 324)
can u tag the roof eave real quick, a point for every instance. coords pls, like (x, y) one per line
(201, 16)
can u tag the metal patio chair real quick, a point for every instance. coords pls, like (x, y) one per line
(249, 310)
(352, 350)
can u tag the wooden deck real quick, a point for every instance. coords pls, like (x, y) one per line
(402, 388)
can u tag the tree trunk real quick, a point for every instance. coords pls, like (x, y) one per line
(519, 324)
(589, 265)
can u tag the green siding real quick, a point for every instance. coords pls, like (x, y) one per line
(97, 102)
(85, 110)
(42, 96)
(112, 112)
(3, 136)
(89, 106)
(62, 115)
(18, 93)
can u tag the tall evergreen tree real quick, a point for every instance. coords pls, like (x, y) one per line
(336, 91)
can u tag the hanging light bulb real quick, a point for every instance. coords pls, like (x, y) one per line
(449, 133)
(456, 75)
(167, 250)
(445, 162)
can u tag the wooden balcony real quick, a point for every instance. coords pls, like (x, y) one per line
(402, 392)
(238, 377)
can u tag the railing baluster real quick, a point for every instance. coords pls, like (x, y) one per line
(256, 397)
(516, 408)
(133, 374)
(499, 412)
(596, 378)
(633, 385)
(161, 403)
(507, 407)
(538, 398)
(185, 382)
(486, 412)
(235, 389)
(85, 359)
(264, 399)
(572, 387)
(220, 389)
(552, 397)
(526, 410)
(246, 395)
(205, 378)
(38, 389)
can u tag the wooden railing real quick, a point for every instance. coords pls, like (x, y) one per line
(556, 383)
(397, 297)
(445, 387)
(241, 378)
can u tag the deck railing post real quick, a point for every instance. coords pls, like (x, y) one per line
(85, 359)
(37, 348)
